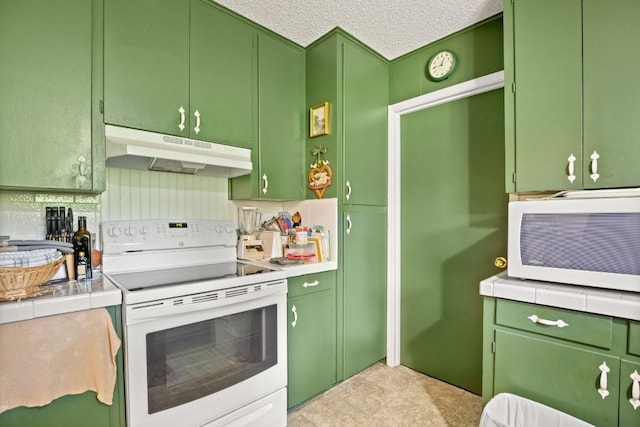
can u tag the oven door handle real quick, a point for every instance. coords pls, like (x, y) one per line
(295, 316)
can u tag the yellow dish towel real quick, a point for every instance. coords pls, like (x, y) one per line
(48, 357)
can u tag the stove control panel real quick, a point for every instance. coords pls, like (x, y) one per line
(144, 235)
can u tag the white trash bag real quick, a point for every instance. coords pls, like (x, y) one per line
(509, 410)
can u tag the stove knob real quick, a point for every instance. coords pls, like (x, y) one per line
(114, 232)
(230, 229)
(218, 229)
(144, 231)
(132, 231)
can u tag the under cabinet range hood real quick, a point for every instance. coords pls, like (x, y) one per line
(138, 149)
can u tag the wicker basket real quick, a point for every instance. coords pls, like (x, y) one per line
(22, 282)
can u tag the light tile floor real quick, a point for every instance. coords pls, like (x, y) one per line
(384, 396)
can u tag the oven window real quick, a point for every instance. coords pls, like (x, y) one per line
(199, 359)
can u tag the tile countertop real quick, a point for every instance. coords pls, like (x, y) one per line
(614, 303)
(64, 297)
(303, 269)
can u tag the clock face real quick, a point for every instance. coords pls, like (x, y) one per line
(441, 65)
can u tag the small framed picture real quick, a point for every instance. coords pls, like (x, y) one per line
(319, 120)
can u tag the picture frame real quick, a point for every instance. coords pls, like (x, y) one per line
(319, 120)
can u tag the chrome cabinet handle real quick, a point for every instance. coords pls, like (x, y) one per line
(197, 128)
(594, 166)
(349, 224)
(310, 285)
(348, 196)
(294, 310)
(604, 370)
(572, 159)
(635, 390)
(265, 188)
(559, 323)
(182, 118)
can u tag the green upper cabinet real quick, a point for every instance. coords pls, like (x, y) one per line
(182, 68)
(146, 64)
(50, 95)
(570, 117)
(545, 110)
(278, 155)
(355, 82)
(366, 98)
(611, 93)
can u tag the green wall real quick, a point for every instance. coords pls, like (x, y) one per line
(478, 48)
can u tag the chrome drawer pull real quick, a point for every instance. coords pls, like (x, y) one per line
(604, 370)
(635, 390)
(559, 323)
(308, 285)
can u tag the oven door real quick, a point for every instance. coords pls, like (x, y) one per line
(191, 368)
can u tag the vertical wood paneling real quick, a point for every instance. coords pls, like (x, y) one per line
(138, 194)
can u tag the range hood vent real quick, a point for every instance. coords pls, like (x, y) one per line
(138, 149)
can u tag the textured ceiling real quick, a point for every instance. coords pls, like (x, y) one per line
(390, 27)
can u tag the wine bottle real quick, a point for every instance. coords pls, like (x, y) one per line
(82, 250)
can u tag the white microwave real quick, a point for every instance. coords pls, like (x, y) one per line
(576, 240)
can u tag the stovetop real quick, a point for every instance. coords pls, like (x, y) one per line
(144, 280)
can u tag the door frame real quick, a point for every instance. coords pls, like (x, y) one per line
(462, 90)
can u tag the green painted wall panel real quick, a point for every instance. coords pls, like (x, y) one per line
(479, 51)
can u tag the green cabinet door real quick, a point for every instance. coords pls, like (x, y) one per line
(366, 99)
(146, 65)
(222, 76)
(629, 416)
(46, 87)
(311, 337)
(77, 410)
(278, 156)
(611, 93)
(364, 264)
(558, 375)
(547, 81)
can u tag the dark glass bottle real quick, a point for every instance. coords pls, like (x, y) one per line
(82, 250)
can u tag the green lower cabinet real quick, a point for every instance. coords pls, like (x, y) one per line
(77, 410)
(364, 287)
(568, 367)
(629, 415)
(558, 375)
(311, 336)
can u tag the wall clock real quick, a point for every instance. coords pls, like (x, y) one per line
(441, 65)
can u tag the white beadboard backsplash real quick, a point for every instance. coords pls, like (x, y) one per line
(139, 194)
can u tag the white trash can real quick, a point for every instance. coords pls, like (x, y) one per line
(509, 410)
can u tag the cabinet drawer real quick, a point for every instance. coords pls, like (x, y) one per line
(308, 283)
(634, 338)
(585, 328)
